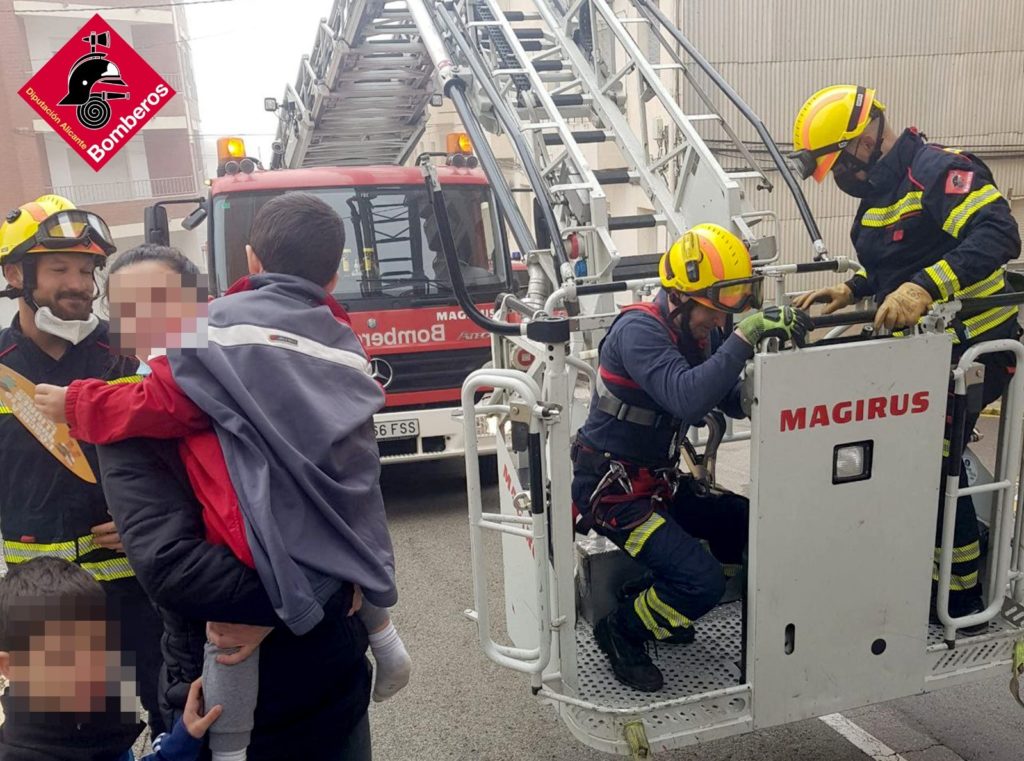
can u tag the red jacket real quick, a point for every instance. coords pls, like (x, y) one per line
(156, 408)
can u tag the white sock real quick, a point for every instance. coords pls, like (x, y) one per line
(393, 663)
(234, 755)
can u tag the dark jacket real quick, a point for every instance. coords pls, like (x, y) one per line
(645, 362)
(313, 689)
(937, 219)
(287, 384)
(42, 503)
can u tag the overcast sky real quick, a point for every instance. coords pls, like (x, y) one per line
(242, 52)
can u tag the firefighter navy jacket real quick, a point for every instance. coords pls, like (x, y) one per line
(935, 218)
(43, 503)
(645, 363)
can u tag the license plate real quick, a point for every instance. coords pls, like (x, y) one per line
(397, 429)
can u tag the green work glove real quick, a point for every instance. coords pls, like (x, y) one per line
(775, 322)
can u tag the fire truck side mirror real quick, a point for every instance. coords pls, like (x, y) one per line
(195, 217)
(157, 229)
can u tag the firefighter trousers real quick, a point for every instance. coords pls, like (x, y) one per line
(687, 574)
(965, 589)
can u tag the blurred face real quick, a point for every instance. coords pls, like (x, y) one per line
(66, 668)
(704, 320)
(151, 309)
(64, 282)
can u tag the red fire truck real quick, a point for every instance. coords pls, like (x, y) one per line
(393, 279)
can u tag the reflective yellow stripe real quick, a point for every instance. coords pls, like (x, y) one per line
(986, 287)
(125, 379)
(731, 569)
(980, 323)
(944, 278)
(887, 215)
(963, 554)
(674, 617)
(959, 583)
(962, 213)
(640, 606)
(639, 536)
(4, 410)
(110, 570)
(945, 447)
(20, 551)
(861, 273)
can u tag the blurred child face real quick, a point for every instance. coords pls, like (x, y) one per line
(151, 309)
(67, 668)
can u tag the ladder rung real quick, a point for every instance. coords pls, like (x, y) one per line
(632, 222)
(704, 118)
(568, 99)
(520, 16)
(548, 64)
(583, 136)
(569, 186)
(534, 46)
(744, 175)
(530, 34)
(613, 176)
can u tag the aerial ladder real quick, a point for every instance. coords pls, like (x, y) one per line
(820, 630)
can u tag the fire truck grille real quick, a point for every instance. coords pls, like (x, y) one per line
(433, 371)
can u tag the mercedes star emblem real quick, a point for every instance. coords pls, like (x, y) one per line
(382, 372)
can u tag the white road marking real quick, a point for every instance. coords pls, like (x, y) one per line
(864, 741)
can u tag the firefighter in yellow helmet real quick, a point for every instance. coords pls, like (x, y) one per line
(49, 253)
(664, 365)
(931, 226)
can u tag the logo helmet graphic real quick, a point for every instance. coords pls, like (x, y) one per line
(381, 371)
(92, 69)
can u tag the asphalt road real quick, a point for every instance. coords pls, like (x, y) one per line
(462, 706)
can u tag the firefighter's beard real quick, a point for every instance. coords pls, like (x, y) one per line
(70, 316)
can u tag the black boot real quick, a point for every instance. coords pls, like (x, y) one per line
(628, 657)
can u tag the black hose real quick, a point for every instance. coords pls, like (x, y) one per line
(451, 257)
(823, 266)
(969, 307)
(476, 65)
(455, 89)
(652, 10)
(843, 318)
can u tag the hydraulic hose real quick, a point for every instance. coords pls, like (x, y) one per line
(451, 257)
(501, 110)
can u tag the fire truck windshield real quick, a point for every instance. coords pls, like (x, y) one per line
(392, 248)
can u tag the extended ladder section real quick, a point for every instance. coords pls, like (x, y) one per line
(565, 75)
(361, 96)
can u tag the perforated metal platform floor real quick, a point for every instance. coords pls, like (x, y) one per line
(712, 662)
(709, 663)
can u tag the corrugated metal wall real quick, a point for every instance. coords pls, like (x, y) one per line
(953, 69)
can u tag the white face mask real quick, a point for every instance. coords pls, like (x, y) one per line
(72, 331)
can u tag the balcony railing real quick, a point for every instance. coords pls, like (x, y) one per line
(129, 190)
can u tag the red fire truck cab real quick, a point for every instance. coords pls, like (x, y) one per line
(393, 281)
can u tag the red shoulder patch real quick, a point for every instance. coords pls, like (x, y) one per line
(958, 181)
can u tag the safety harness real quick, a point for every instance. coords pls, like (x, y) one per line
(627, 493)
(612, 405)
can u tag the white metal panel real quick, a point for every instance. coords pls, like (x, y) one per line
(521, 616)
(872, 538)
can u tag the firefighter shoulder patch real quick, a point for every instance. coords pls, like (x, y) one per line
(958, 181)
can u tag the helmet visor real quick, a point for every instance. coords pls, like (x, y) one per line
(734, 296)
(68, 229)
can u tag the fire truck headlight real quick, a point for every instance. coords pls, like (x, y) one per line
(851, 462)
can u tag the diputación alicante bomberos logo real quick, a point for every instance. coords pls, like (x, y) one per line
(97, 93)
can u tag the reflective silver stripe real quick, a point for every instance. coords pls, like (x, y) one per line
(241, 335)
(944, 278)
